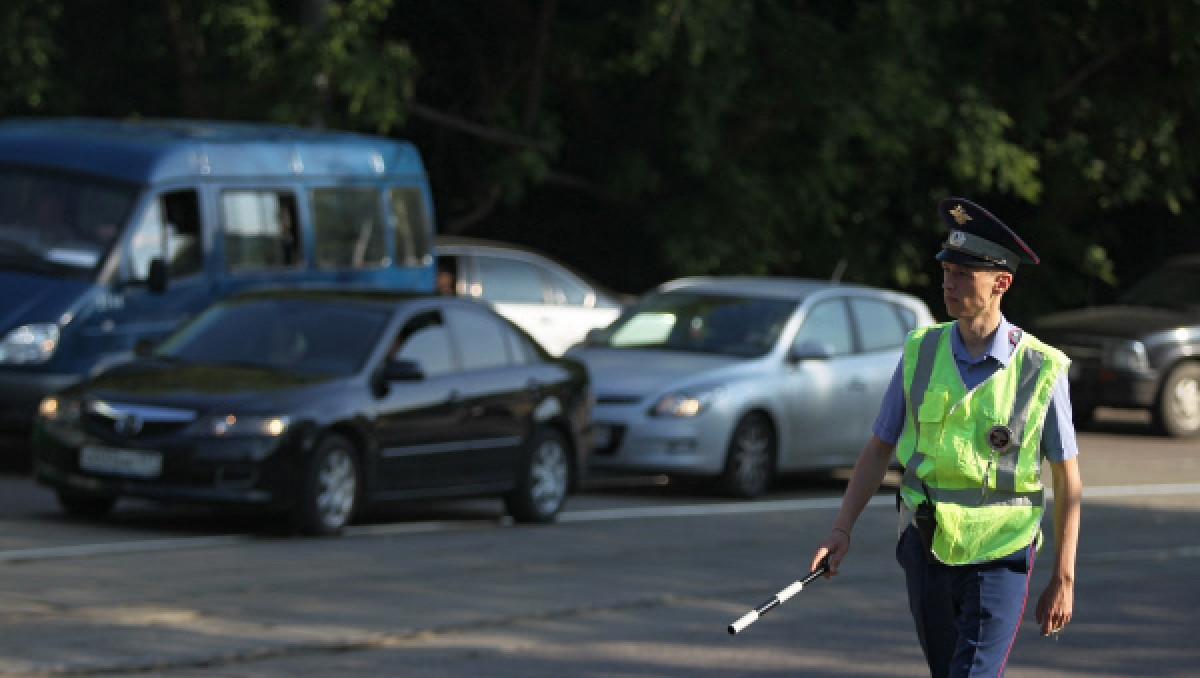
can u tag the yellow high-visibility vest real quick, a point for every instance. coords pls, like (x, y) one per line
(976, 455)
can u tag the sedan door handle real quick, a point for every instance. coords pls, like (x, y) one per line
(857, 385)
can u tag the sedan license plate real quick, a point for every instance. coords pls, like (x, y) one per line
(136, 463)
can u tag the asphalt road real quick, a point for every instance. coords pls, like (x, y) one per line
(637, 579)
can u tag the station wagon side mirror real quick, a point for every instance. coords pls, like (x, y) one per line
(810, 349)
(156, 276)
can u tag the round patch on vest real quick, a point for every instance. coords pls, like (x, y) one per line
(1000, 437)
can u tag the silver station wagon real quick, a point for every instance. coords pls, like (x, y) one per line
(741, 378)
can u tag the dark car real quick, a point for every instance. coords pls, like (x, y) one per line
(1143, 352)
(316, 403)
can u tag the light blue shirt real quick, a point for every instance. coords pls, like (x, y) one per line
(1058, 434)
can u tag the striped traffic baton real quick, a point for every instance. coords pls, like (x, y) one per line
(778, 599)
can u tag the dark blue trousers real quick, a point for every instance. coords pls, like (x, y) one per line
(966, 615)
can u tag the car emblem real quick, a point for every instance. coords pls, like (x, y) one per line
(128, 425)
(957, 239)
(960, 215)
(1000, 437)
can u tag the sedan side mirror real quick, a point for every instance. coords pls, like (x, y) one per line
(402, 370)
(810, 349)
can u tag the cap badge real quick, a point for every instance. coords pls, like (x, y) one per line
(1000, 437)
(957, 239)
(960, 215)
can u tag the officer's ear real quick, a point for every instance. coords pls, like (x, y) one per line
(1002, 282)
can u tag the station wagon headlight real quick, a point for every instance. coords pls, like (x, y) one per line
(686, 404)
(227, 425)
(29, 344)
(1130, 355)
(59, 410)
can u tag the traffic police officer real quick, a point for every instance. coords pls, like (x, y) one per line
(973, 408)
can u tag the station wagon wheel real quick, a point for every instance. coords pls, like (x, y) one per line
(750, 460)
(1178, 410)
(85, 504)
(545, 480)
(330, 488)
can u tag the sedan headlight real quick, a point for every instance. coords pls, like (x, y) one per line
(228, 425)
(1129, 356)
(686, 403)
(29, 344)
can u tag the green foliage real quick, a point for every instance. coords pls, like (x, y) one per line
(645, 140)
(27, 52)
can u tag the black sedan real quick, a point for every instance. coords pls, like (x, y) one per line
(316, 403)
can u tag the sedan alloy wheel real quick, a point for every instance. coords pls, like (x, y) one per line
(750, 461)
(542, 489)
(330, 492)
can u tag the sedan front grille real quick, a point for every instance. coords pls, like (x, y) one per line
(130, 421)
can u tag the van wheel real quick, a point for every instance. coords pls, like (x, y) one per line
(545, 480)
(84, 504)
(1178, 410)
(329, 490)
(750, 460)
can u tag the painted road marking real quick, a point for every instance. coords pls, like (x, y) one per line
(584, 516)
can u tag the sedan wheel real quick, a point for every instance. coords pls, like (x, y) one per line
(329, 495)
(544, 483)
(750, 461)
(1178, 411)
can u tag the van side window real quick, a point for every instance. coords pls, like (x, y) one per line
(348, 227)
(261, 230)
(411, 225)
(169, 230)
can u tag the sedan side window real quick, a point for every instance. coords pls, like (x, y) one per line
(508, 280)
(425, 341)
(481, 338)
(879, 326)
(827, 324)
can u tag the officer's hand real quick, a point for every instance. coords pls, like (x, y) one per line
(835, 546)
(1055, 605)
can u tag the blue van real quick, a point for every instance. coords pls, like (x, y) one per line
(114, 232)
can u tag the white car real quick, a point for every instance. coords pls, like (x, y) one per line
(553, 304)
(739, 379)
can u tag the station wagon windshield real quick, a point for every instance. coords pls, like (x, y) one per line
(740, 326)
(59, 221)
(290, 334)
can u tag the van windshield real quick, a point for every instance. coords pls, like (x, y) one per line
(55, 222)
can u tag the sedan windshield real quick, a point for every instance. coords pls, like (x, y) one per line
(1173, 286)
(292, 334)
(703, 323)
(58, 221)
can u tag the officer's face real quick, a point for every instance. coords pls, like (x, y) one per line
(969, 291)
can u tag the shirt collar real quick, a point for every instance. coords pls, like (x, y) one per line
(1004, 343)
